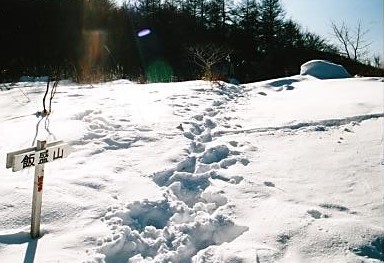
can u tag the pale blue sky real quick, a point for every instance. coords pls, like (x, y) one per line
(316, 16)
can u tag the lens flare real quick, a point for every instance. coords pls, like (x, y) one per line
(159, 71)
(94, 56)
(144, 32)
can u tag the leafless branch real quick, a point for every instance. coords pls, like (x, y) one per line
(206, 56)
(46, 112)
(53, 93)
(45, 96)
(353, 44)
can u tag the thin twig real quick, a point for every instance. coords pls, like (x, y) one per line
(53, 92)
(24, 95)
(45, 96)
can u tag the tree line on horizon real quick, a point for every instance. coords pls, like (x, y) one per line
(157, 40)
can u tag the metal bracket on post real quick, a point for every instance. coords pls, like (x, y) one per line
(37, 194)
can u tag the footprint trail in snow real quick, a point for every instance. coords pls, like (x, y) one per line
(187, 219)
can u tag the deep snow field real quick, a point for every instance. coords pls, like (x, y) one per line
(285, 170)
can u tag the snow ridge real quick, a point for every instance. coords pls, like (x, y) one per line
(188, 218)
(313, 125)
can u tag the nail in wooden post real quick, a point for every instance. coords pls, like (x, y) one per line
(37, 192)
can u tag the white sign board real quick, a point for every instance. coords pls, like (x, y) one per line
(26, 158)
(37, 157)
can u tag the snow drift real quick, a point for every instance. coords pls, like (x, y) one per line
(323, 69)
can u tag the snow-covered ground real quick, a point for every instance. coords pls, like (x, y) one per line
(285, 170)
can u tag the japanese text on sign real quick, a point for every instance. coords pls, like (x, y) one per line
(30, 157)
(28, 160)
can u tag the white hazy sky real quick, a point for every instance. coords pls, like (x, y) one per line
(317, 15)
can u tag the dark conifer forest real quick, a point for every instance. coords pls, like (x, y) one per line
(156, 40)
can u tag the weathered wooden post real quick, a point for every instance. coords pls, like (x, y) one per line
(38, 192)
(37, 156)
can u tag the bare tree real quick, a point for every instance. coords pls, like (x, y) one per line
(353, 42)
(206, 56)
(377, 61)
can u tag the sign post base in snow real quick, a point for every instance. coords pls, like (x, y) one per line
(37, 156)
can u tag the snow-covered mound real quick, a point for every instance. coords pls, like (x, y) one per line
(323, 69)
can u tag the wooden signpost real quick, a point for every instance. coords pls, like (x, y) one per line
(37, 157)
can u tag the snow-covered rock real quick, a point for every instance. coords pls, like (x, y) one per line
(323, 69)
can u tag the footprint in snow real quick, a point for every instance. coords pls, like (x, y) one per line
(336, 207)
(269, 184)
(289, 87)
(164, 231)
(373, 249)
(316, 214)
